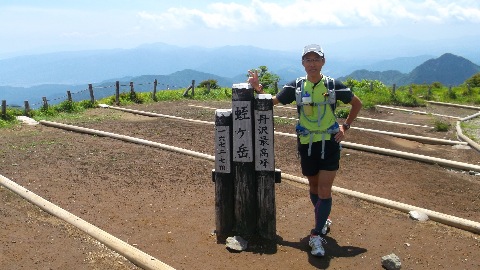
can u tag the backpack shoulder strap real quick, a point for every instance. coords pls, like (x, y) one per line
(329, 83)
(299, 83)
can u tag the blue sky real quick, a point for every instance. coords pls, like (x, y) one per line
(55, 25)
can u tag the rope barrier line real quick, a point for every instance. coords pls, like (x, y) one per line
(460, 223)
(358, 117)
(133, 254)
(102, 87)
(355, 146)
(395, 134)
(453, 221)
(412, 111)
(153, 114)
(454, 105)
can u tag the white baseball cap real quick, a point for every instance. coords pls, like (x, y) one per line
(313, 48)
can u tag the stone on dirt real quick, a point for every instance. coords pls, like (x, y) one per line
(391, 262)
(417, 215)
(236, 243)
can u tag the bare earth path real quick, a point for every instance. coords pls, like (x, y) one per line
(163, 202)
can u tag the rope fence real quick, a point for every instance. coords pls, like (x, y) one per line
(90, 94)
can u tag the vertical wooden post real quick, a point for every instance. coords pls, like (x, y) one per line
(193, 88)
(27, 108)
(393, 89)
(243, 154)
(371, 86)
(468, 89)
(410, 91)
(132, 90)
(265, 166)
(45, 103)
(223, 175)
(117, 93)
(154, 96)
(4, 108)
(276, 87)
(69, 95)
(90, 89)
(208, 87)
(133, 96)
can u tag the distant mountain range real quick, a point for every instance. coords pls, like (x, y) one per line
(51, 75)
(447, 69)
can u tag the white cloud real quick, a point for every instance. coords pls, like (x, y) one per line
(216, 16)
(264, 23)
(318, 13)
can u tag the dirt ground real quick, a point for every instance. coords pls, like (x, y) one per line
(162, 202)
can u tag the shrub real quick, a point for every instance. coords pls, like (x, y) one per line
(441, 125)
(213, 84)
(342, 113)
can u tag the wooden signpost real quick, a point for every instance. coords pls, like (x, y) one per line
(245, 185)
(224, 219)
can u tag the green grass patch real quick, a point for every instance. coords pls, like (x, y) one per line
(370, 92)
(441, 125)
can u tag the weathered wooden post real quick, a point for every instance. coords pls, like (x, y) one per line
(117, 93)
(4, 108)
(243, 165)
(132, 89)
(410, 90)
(45, 103)
(154, 96)
(265, 166)
(208, 87)
(371, 86)
(393, 88)
(223, 175)
(27, 108)
(193, 88)
(90, 89)
(69, 96)
(245, 173)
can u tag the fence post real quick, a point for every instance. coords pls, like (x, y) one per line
(154, 97)
(69, 95)
(27, 108)
(243, 154)
(468, 89)
(193, 88)
(371, 86)
(265, 166)
(410, 91)
(393, 89)
(4, 108)
(132, 89)
(133, 96)
(208, 87)
(276, 87)
(90, 89)
(223, 175)
(45, 103)
(117, 93)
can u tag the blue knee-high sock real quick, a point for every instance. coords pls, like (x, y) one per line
(313, 198)
(322, 211)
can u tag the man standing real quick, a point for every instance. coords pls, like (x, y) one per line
(319, 134)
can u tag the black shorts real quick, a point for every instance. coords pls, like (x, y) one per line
(312, 164)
